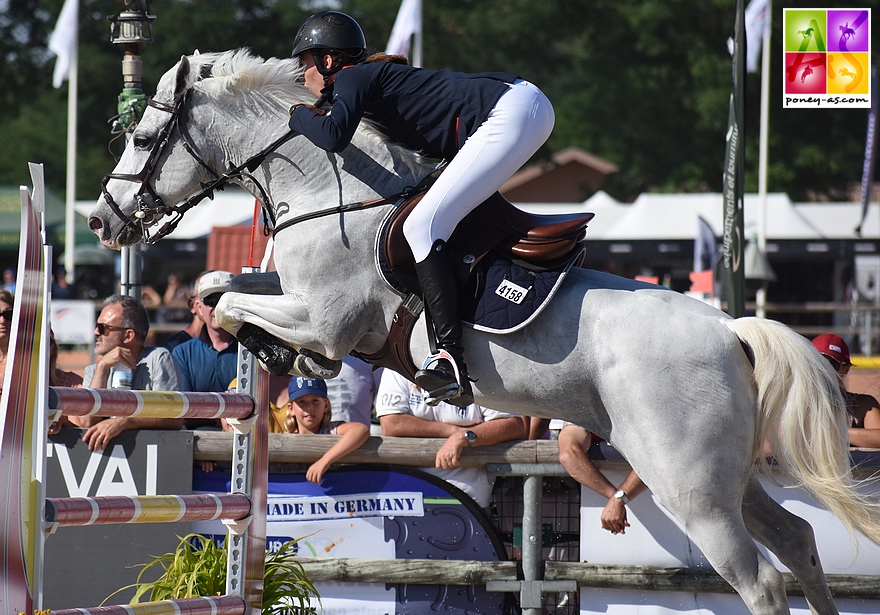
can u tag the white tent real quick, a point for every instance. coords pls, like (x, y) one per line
(839, 220)
(675, 217)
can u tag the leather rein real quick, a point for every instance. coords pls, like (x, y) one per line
(151, 208)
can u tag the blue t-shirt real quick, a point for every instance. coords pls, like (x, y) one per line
(203, 368)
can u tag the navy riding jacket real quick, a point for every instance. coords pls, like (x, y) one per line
(429, 111)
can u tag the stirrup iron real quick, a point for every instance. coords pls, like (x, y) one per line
(439, 390)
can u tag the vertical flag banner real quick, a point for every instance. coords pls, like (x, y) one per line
(757, 18)
(407, 25)
(733, 274)
(870, 149)
(827, 58)
(63, 41)
(704, 246)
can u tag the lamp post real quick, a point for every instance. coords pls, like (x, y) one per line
(132, 28)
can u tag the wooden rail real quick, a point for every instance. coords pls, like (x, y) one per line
(414, 571)
(656, 578)
(419, 452)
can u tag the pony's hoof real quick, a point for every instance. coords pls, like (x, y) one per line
(274, 356)
(313, 365)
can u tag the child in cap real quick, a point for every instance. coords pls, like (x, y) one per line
(308, 412)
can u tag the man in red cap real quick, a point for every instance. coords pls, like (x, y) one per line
(863, 411)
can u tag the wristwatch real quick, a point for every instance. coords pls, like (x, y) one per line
(470, 436)
(620, 494)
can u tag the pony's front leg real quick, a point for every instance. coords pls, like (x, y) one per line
(263, 322)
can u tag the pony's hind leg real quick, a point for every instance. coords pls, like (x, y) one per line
(792, 540)
(712, 516)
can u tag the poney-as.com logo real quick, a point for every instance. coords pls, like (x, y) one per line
(827, 58)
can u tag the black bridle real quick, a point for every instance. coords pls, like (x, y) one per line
(151, 208)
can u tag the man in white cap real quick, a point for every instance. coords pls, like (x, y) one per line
(208, 362)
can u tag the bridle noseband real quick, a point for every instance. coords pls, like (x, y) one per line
(151, 208)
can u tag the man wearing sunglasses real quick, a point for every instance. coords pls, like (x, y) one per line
(119, 342)
(863, 411)
(208, 362)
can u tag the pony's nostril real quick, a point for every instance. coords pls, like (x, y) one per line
(95, 223)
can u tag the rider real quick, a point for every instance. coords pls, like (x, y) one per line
(486, 125)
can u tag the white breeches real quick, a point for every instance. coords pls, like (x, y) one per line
(518, 125)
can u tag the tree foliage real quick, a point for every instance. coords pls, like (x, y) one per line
(643, 83)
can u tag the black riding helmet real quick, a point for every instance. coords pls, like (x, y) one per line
(334, 33)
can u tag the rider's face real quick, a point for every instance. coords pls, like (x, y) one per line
(314, 80)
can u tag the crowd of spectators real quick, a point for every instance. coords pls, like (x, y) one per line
(202, 356)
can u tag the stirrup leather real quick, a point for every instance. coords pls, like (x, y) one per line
(445, 392)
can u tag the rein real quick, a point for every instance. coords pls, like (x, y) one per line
(407, 192)
(151, 208)
(149, 213)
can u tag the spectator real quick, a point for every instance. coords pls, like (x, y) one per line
(278, 399)
(194, 328)
(862, 411)
(60, 288)
(402, 411)
(9, 279)
(574, 442)
(176, 299)
(309, 412)
(57, 376)
(536, 428)
(150, 297)
(208, 362)
(351, 393)
(60, 378)
(119, 343)
(7, 300)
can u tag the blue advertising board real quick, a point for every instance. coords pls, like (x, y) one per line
(386, 512)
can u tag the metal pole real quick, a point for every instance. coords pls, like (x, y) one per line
(531, 593)
(70, 197)
(761, 297)
(132, 28)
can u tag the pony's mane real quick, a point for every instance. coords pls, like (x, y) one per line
(240, 71)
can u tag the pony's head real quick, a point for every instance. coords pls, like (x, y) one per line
(178, 145)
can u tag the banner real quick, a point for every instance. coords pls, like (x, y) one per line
(407, 24)
(733, 275)
(757, 22)
(63, 41)
(870, 148)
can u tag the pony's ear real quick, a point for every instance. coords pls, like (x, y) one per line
(181, 80)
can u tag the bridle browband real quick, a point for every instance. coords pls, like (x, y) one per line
(151, 208)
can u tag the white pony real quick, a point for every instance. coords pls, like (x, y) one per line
(685, 393)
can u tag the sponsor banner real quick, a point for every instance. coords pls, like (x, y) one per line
(827, 58)
(389, 504)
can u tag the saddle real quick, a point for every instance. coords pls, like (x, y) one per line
(533, 242)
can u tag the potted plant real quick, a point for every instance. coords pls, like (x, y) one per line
(197, 567)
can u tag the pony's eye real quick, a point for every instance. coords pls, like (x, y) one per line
(141, 141)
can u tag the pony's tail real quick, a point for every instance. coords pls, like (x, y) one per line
(801, 414)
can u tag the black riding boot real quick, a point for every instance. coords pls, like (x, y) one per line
(440, 295)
